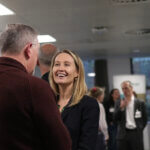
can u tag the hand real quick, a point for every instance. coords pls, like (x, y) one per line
(106, 141)
(123, 104)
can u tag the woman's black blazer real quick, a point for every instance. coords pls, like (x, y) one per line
(82, 122)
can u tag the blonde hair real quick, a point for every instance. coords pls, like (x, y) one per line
(79, 86)
(95, 92)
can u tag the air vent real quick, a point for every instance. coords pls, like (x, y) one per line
(138, 32)
(99, 29)
(121, 2)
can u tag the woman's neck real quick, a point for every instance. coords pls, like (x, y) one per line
(65, 92)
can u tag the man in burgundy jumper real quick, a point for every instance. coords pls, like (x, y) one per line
(29, 118)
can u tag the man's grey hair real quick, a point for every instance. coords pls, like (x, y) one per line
(15, 37)
(129, 82)
(46, 52)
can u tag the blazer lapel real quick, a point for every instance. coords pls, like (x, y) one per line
(66, 110)
(65, 113)
(135, 105)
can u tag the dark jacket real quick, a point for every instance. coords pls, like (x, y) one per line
(29, 118)
(82, 122)
(46, 76)
(109, 109)
(120, 117)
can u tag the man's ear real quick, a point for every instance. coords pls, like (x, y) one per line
(27, 51)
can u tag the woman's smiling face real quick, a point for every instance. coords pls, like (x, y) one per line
(64, 69)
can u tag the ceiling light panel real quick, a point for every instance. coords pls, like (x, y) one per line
(46, 38)
(5, 11)
(127, 1)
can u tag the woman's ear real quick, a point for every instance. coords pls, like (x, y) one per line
(76, 78)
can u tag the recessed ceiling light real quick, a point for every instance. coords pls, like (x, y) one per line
(128, 1)
(99, 29)
(5, 11)
(92, 74)
(136, 51)
(45, 38)
(139, 32)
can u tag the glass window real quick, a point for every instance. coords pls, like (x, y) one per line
(89, 73)
(142, 66)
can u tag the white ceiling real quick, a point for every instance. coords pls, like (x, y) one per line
(71, 23)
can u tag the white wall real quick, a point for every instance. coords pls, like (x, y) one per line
(117, 66)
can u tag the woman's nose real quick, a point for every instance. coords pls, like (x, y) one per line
(61, 67)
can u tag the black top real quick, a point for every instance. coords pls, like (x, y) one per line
(45, 77)
(109, 108)
(82, 122)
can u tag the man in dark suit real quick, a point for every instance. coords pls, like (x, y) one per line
(46, 52)
(130, 115)
(29, 118)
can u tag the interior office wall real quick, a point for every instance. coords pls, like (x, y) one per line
(117, 66)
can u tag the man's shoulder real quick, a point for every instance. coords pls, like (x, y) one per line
(37, 82)
(140, 103)
(139, 100)
(39, 86)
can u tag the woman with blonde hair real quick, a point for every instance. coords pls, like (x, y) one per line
(98, 94)
(80, 113)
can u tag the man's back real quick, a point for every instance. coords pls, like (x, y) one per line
(28, 116)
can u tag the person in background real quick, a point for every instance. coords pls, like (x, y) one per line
(98, 94)
(80, 113)
(131, 117)
(112, 127)
(46, 52)
(29, 118)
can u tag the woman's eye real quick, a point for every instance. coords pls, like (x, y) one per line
(67, 64)
(56, 64)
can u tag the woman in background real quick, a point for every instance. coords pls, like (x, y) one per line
(80, 113)
(98, 94)
(112, 127)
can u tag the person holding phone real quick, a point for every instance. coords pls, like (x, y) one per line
(131, 118)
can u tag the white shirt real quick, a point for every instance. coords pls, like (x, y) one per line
(130, 122)
(102, 122)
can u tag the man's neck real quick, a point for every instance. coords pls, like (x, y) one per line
(129, 98)
(18, 57)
